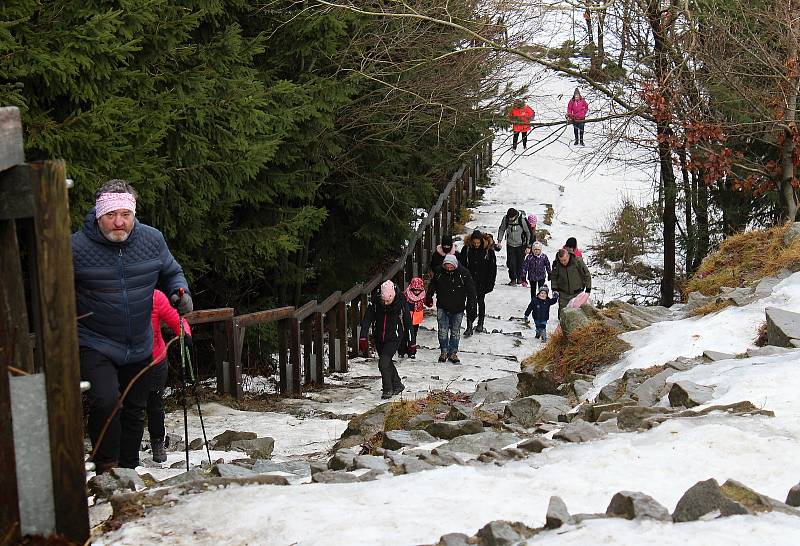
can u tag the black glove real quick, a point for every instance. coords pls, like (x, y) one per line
(182, 301)
(187, 340)
(588, 290)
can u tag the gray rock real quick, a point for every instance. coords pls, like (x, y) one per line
(791, 234)
(447, 430)
(453, 539)
(571, 320)
(371, 462)
(682, 364)
(231, 471)
(705, 498)
(343, 459)
(592, 412)
(420, 421)
(557, 514)
(371, 476)
(647, 393)
(716, 356)
(413, 465)
(532, 409)
(298, 468)
(753, 501)
(580, 388)
(224, 440)
(105, 485)
(610, 392)
(397, 439)
(782, 327)
(536, 382)
(535, 445)
(635, 505)
(496, 390)
(334, 476)
(475, 444)
(499, 533)
(128, 478)
(446, 459)
(188, 476)
(459, 412)
(579, 431)
(688, 395)
(793, 498)
(196, 444)
(640, 417)
(257, 448)
(173, 442)
(768, 350)
(318, 466)
(363, 427)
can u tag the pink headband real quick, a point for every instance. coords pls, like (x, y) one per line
(109, 202)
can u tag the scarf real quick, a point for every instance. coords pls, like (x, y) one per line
(417, 299)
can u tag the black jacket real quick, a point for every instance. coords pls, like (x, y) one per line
(437, 256)
(482, 265)
(390, 324)
(455, 290)
(541, 308)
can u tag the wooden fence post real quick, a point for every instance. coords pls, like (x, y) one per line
(341, 335)
(58, 345)
(318, 366)
(295, 358)
(284, 326)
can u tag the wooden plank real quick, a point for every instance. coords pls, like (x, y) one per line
(330, 302)
(341, 335)
(15, 345)
(351, 294)
(16, 193)
(295, 359)
(373, 283)
(283, 354)
(307, 326)
(331, 319)
(270, 315)
(223, 351)
(303, 312)
(318, 364)
(235, 377)
(362, 312)
(9, 508)
(205, 316)
(355, 321)
(11, 142)
(58, 343)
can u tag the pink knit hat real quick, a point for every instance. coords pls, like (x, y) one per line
(532, 219)
(387, 291)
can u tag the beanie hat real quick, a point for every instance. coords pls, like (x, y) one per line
(476, 235)
(572, 243)
(538, 245)
(447, 240)
(450, 259)
(387, 291)
(543, 289)
(511, 213)
(532, 219)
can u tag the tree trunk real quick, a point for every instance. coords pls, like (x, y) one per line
(587, 16)
(624, 34)
(691, 243)
(787, 191)
(700, 206)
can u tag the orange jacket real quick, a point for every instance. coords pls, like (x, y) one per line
(521, 118)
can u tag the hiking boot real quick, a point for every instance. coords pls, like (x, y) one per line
(582, 144)
(454, 358)
(443, 357)
(159, 452)
(538, 334)
(576, 142)
(468, 331)
(479, 328)
(386, 396)
(102, 468)
(400, 389)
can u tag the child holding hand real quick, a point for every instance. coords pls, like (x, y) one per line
(540, 307)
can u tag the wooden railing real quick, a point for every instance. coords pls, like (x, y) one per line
(302, 331)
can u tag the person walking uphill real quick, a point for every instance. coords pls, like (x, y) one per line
(570, 277)
(576, 114)
(455, 292)
(479, 259)
(517, 233)
(520, 117)
(390, 321)
(540, 307)
(118, 262)
(445, 249)
(415, 299)
(535, 269)
(162, 312)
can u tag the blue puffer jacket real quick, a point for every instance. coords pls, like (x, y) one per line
(115, 282)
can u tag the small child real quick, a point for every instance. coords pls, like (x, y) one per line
(540, 306)
(535, 268)
(415, 296)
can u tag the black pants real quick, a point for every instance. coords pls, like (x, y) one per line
(121, 442)
(514, 257)
(535, 286)
(390, 379)
(577, 127)
(155, 402)
(516, 139)
(481, 305)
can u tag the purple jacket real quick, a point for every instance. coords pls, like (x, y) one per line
(536, 268)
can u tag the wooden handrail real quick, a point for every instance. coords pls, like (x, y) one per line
(306, 310)
(260, 317)
(351, 294)
(204, 316)
(330, 302)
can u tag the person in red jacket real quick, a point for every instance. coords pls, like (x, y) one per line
(576, 114)
(520, 116)
(162, 311)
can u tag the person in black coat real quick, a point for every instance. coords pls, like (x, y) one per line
(479, 258)
(455, 292)
(390, 320)
(445, 249)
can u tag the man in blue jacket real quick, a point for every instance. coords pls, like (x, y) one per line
(118, 263)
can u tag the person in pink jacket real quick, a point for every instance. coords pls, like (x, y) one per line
(520, 117)
(576, 114)
(162, 312)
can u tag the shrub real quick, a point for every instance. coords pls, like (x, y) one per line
(745, 258)
(761, 337)
(712, 307)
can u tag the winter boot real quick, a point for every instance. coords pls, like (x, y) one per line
(454, 358)
(386, 396)
(102, 468)
(159, 452)
(544, 336)
(479, 328)
(400, 389)
(443, 357)
(468, 331)
(582, 144)
(538, 333)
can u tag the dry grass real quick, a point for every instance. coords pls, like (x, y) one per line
(745, 258)
(712, 307)
(548, 215)
(464, 216)
(761, 337)
(588, 348)
(399, 413)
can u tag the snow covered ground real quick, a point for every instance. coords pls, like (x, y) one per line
(663, 462)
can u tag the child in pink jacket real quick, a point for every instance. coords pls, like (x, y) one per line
(576, 114)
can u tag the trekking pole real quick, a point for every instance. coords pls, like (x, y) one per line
(183, 385)
(186, 361)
